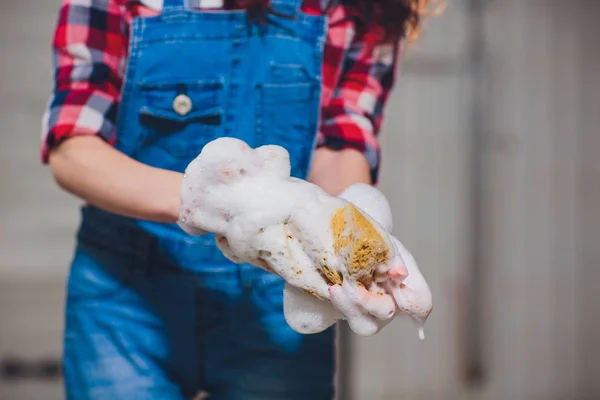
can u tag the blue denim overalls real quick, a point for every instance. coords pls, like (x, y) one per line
(153, 313)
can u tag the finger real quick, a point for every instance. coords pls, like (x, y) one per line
(361, 323)
(398, 272)
(378, 303)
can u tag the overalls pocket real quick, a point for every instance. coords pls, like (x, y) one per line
(287, 115)
(179, 119)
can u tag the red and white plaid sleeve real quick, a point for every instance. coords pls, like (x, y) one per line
(89, 51)
(353, 117)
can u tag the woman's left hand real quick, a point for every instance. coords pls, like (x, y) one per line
(336, 170)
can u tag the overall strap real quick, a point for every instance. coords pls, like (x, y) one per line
(288, 7)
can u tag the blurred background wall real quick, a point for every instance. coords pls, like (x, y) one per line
(490, 164)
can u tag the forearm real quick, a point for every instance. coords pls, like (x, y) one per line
(94, 171)
(334, 171)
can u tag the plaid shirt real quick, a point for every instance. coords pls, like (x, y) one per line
(90, 52)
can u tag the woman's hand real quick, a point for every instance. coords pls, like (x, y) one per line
(94, 171)
(334, 171)
(338, 261)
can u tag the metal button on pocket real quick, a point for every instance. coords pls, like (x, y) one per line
(182, 104)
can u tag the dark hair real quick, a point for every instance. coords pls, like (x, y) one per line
(399, 18)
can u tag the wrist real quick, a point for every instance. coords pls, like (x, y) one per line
(168, 206)
(335, 170)
(172, 211)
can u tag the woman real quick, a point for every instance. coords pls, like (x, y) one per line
(140, 87)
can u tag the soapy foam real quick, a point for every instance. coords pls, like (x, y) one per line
(333, 252)
(413, 295)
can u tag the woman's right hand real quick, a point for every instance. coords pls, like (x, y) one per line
(96, 172)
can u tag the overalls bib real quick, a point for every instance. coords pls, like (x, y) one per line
(153, 313)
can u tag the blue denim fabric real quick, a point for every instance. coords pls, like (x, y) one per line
(151, 312)
(138, 326)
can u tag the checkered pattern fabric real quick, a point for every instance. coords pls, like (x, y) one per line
(90, 52)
